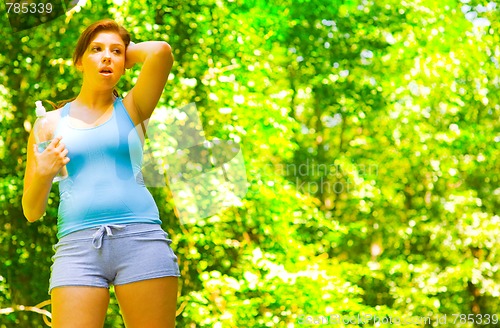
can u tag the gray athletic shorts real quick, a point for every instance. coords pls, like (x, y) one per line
(113, 254)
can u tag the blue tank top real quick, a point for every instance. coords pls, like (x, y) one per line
(104, 184)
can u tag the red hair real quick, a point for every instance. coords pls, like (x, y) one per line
(105, 25)
(87, 36)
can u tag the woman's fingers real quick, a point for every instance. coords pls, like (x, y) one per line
(64, 154)
(55, 141)
(60, 146)
(61, 149)
(56, 149)
(51, 159)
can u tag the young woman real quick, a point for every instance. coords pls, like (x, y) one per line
(108, 223)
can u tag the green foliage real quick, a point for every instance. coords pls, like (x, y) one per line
(370, 136)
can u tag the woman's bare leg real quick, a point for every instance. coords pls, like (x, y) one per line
(79, 307)
(149, 303)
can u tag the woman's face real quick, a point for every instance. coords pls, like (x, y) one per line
(103, 62)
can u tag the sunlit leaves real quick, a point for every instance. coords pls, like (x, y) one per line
(370, 136)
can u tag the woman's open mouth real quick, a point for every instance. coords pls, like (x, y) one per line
(106, 71)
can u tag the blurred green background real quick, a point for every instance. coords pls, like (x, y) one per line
(370, 133)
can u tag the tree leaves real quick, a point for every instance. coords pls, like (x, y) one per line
(369, 132)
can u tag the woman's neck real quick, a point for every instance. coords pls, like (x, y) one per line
(95, 99)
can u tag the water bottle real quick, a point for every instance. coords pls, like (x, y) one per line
(44, 133)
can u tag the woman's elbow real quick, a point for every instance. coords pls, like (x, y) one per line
(29, 214)
(30, 217)
(31, 220)
(165, 50)
(165, 47)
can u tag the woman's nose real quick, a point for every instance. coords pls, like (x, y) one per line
(106, 56)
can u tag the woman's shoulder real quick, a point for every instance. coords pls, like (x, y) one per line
(54, 116)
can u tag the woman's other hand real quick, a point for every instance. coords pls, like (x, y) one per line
(52, 159)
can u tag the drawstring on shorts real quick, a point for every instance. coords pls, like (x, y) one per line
(98, 236)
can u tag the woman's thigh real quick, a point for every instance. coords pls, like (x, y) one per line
(149, 303)
(79, 307)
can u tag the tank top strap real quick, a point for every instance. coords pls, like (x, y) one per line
(120, 106)
(64, 116)
(122, 113)
(65, 110)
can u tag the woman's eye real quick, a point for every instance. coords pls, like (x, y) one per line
(117, 51)
(96, 48)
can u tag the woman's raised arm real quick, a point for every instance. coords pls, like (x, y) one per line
(157, 60)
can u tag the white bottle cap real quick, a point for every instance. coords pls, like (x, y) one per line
(40, 110)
